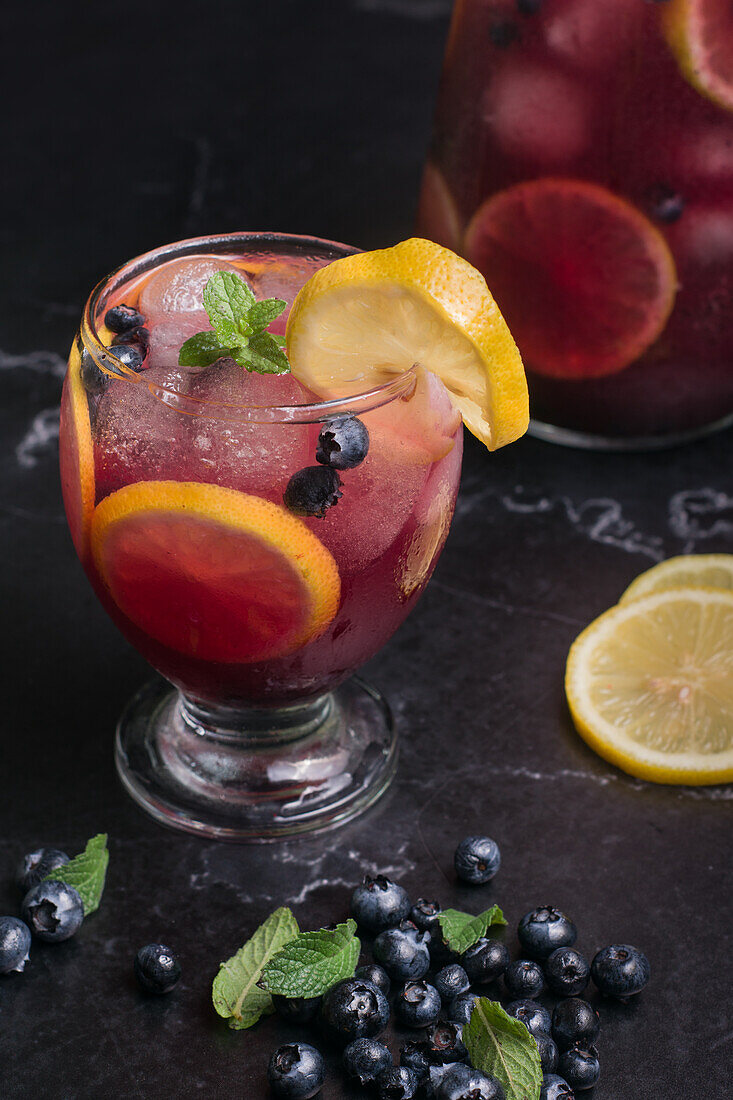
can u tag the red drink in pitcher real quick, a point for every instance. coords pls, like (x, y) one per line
(583, 160)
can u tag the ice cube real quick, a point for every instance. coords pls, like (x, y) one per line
(168, 337)
(594, 35)
(537, 114)
(137, 437)
(178, 287)
(256, 456)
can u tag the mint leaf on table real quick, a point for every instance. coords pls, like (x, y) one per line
(86, 872)
(501, 1046)
(462, 930)
(313, 962)
(238, 328)
(235, 992)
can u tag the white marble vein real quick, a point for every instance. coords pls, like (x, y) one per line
(699, 514)
(40, 362)
(40, 438)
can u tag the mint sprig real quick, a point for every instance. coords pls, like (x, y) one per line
(238, 328)
(86, 872)
(502, 1047)
(463, 930)
(235, 992)
(313, 962)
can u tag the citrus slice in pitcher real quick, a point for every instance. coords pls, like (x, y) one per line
(584, 279)
(700, 35)
(212, 572)
(365, 318)
(76, 456)
(650, 686)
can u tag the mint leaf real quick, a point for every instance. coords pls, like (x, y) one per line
(313, 962)
(227, 300)
(86, 872)
(201, 350)
(235, 992)
(263, 313)
(267, 354)
(462, 930)
(501, 1046)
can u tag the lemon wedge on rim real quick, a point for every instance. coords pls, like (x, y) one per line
(367, 317)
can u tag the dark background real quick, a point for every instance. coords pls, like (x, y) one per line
(129, 125)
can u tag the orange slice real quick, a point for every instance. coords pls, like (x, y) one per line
(700, 35)
(212, 572)
(584, 279)
(76, 456)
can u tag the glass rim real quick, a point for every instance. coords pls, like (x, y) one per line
(401, 384)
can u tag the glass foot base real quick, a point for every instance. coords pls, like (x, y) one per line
(259, 774)
(570, 437)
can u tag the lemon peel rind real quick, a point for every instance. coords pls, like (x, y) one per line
(83, 449)
(617, 747)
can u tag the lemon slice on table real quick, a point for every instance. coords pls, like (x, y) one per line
(700, 35)
(367, 317)
(650, 686)
(685, 571)
(214, 573)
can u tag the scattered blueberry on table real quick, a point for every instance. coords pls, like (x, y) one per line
(15, 943)
(34, 866)
(477, 860)
(156, 968)
(53, 911)
(296, 1071)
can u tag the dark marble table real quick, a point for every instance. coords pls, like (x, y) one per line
(133, 124)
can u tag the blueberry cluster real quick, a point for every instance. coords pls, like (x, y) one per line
(342, 445)
(129, 345)
(435, 992)
(53, 911)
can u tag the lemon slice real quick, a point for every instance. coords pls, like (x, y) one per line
(685, 571)
(700, 35)
(214, 573)
(650, 686)
(76, 455)
(367, 317)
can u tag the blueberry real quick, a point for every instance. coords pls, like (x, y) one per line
(418, 1004)
(122, 318)
(15, 942)
(94, 380)
(156, 968)
(53, 911)
(580, 1067)
(567, 972)
(548, 1052)
(296, 1071)
(451, 981)
(575, 1021)
(461, 1007)
(524, 979)
(535, 1018)
(312, 491)
(477, 860)
(34, 867)
(544, 930)
(379, 903)
(485, 961)
(296, 1010)
(130, 355)
(665, 204)
(342, 444)
(414, 1055)
(529, 7)
(620, 970)
(403, 952)
(445, 1044)
(354, 1009)
(503, 33)
(425, 915)
(365, 1059)
(137, 337)
(375, 974)
(464, 1083)
(397, 1083)
(555, 1088)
